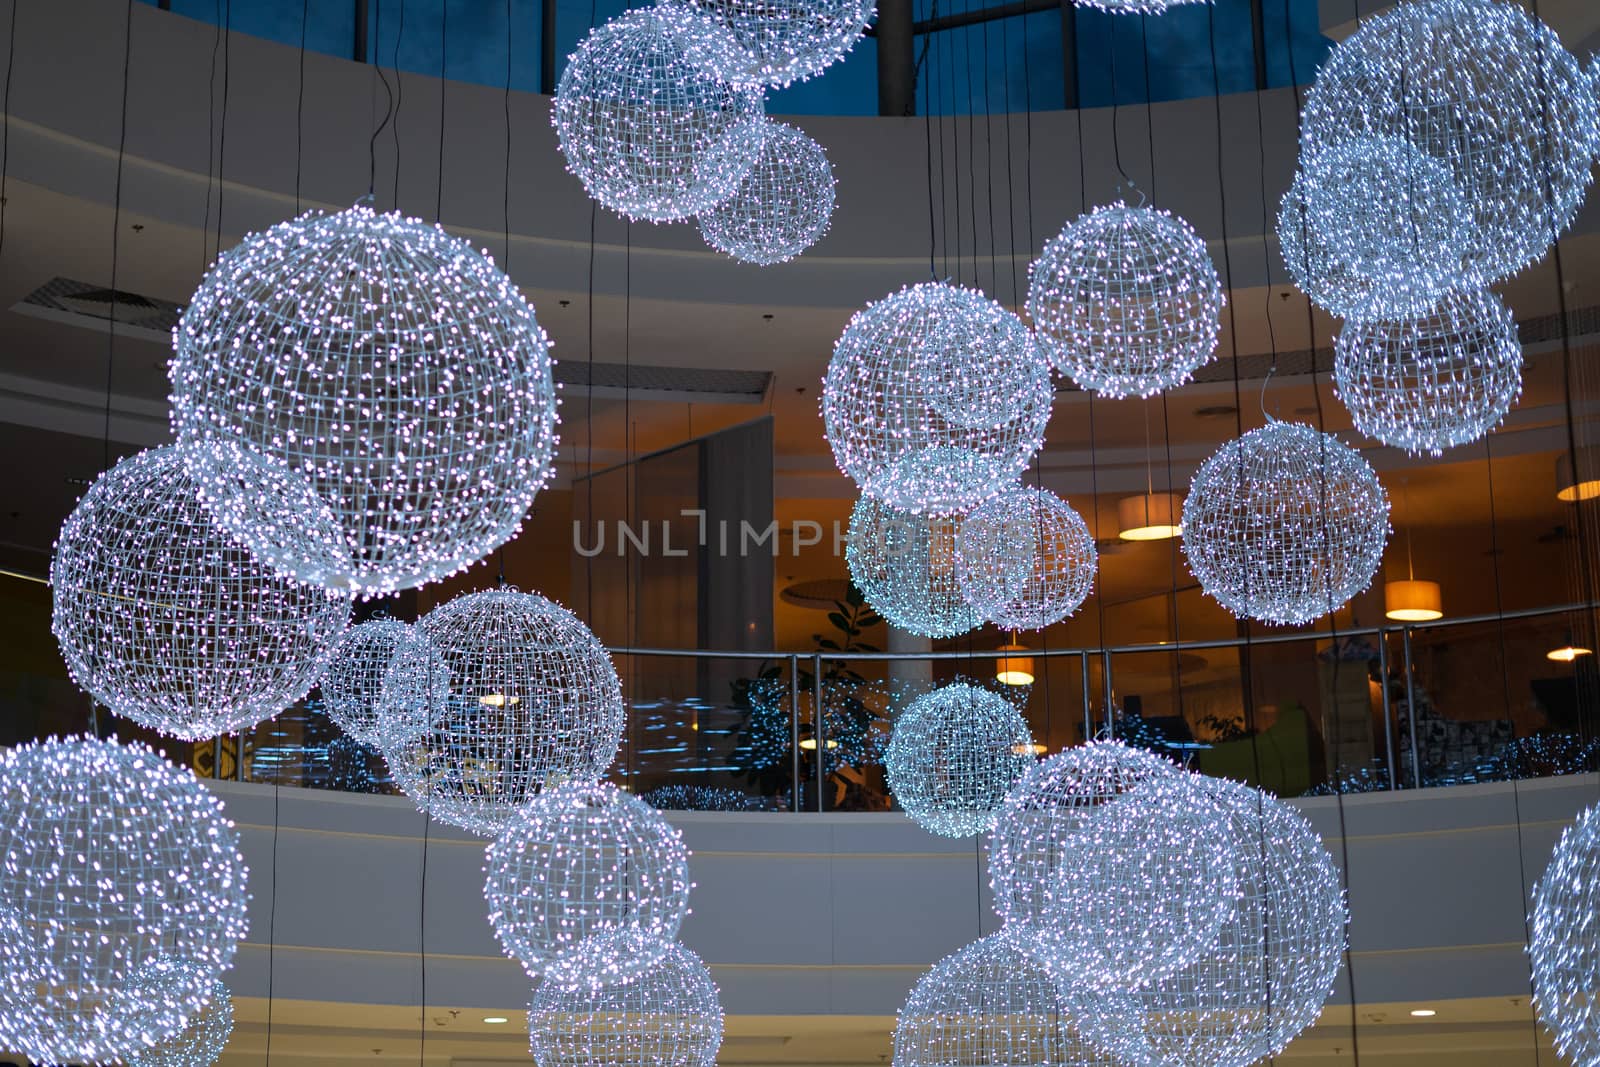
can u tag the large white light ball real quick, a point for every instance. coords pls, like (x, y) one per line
(114, 862)
(352, 682)
(905, 565)
(783, 205)
(168, 620)
(1430, 383)
(1484, 88)
(935, 399)
(1285, 524)
(1136, 7)
(493, 697)
(651, 135)
(668, 1016)
(762, 42)
(1025, 559)
(1106, 857)
(199, 1044)
(581, 860)
(954, 755)
(1565, 942)
(393, 366)
(1126, 301)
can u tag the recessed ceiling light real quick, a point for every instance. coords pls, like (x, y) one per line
(1423, 1013)
(495, 1019)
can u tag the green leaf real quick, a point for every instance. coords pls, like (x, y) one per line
(830, 646)
(839, 621)
(854, 596)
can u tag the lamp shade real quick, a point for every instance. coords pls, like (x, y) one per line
(1015, 668)
(1570, 488)
(1412, 600)
(1567, 653)
(1150, 517)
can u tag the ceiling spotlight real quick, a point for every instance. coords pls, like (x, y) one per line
(1567, 652)
(1423, 1013)
(495, 1019)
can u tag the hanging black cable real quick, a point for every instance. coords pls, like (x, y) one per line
(5, 132)
(444, 52)
(921, 73)
(272, 908)
(399, 98)
(422, 942)
(1011, 186)
(116, 226)
(988, 158)
(222, 123)
(388, 113)
(300, 103)
(211, 136)
(955, 158)
(972, 151)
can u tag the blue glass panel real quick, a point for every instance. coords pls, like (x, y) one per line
(407, 34)
(330, 25)
(849, 87)
(573, 20)
(1304, 36)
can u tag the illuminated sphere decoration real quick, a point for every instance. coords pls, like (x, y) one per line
(650, 135)
(781, 208)
(585, 859)
(954, 755)
(1484, 88)
(935, 399)
(668, 1016)
(1025, 559)
(1565, 944)
(166, 619)
(1125, 301)
(1107, 858)
(352, 683)
(114, 861)
(1330, 282)
(1136, 7)
(905, 565)
(395, 368)
(1285, 524)
(745, 42)
(493, 697)
(989, 1003)
(1434, 382)
(199, 1044)
(1264, 979)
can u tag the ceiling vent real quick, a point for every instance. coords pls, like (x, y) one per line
(93, 306)
(683, 385)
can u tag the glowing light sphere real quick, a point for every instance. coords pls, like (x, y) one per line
(651, 135)
(581, 860)
(114, 861)
(953, 757)
(905, 565)
(762, 42)
(989, 1003)
(783, 205)
(1025, 559)
(1106, 858)
(1482, 87)
(199, 1044)
(1564, 947)
(1331, 283)
(1126, 301)
(352, 683)
(395, 368)
(490, 699)
(1434, 382)
(669, 1016)
(935, 399)
(1136, 7)
(1265, 978)
(166, 619)
(1285, 524)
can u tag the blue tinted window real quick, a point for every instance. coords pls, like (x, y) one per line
(408, 34)
(330, 25)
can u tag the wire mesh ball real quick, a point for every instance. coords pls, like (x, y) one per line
(352, 682)
(1107, 859)
(1433, 382)
(394, 367)
(1025, 559)
(493, 697)
(166, 619)
(1285, 524)
(1125, 301)
(199, 1044)
(1136, 7)
(905, 565)
(783, 205)
(935, 399)
(650, 135)
(990, 1003)
(1483, 87)
(668, 1016)
(1565, 943)
(113, 859)
(580, 860)
(1330, 282)
(1265, 979)
(766, 42)
(954, 755)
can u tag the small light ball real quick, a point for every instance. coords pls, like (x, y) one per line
(1025, 559)
(1126, 301)
(746, 42)
(581, 860)
(352, 682)
(935, 399)
(1136, 7)
(1285, 524)
(668, 1016)
(650, 135)
(392, 366)
(1427, 384)
(1330, 282)
(954, 755)
(781, 208)
(166, 619)
(490, 699)
(199, 1044)
(1565, 943)
(905, 565)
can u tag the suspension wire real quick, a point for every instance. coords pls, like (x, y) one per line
(1116, 111)
(5, 130)
(116, 223)
(955, 154)
(399, 93)
(1011, 187)
(988, 158)
(444, 51)
(1027, 123)
(1149, 102)
(972, 150)
(272, 909)
(936, 87)
(919, 74)
(388, 109)
(422, 941)
(211, 136)
(222, 124)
